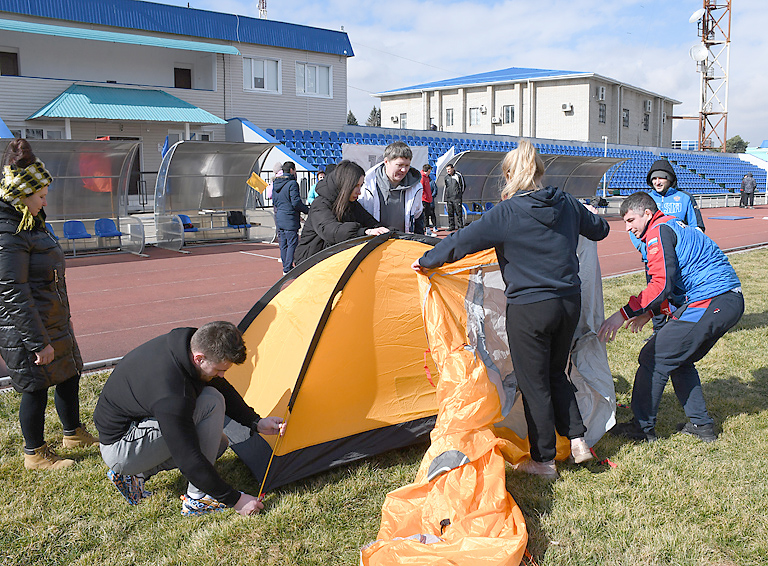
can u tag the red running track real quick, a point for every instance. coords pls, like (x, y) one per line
(120, 301)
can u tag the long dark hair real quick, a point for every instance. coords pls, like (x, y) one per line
(345, 177)
(19, 154)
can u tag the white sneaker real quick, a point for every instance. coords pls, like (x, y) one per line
(546, 470)
(580, 451)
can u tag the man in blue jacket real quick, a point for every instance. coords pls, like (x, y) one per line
(288, 205)
(681, 261)
(671, 202)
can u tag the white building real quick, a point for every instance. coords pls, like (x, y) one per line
(127, 69)
(538, 103)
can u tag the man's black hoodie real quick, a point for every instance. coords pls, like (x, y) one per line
(535, 235)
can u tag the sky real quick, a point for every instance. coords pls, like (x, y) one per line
(644, 43)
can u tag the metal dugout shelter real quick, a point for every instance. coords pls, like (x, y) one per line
(205, 181)
(91, 180)
(579, 175)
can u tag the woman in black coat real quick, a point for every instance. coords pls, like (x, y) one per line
(335, 215)
(36, 338)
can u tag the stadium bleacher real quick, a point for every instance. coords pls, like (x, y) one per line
(697, 173)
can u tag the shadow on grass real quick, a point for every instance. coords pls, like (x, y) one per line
(750, 321)
(535, 497)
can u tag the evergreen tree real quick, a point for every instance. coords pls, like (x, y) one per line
(374, 118)
(736, 145)
(351, 120)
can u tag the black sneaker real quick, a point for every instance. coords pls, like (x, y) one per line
(632, 430)
(704, 432)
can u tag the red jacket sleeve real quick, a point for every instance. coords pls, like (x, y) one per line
(662, 269)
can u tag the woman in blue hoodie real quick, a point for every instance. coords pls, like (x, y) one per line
(535, 231)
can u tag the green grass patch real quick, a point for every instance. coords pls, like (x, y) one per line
(675, 502)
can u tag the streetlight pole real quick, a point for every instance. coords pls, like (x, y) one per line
(605, 154)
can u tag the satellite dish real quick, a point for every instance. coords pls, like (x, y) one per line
(696, 16)
(699, 52)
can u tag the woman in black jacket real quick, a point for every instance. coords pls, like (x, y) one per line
(36, 337)
(335, 215)
(535, 231)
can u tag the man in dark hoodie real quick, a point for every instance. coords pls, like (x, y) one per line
(391, 192)
(286, 199)
(163, 407)
(454, 193)
(535, 231)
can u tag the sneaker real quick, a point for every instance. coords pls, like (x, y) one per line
(704, 432)
(546, 470)
(81, 437)
(632, 430)
(207, 504)
(130, 487)
(580, 451)
(44, 458)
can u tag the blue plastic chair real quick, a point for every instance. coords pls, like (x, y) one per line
(187, 223)
(105, 228)
(75, 230)
(488, 206)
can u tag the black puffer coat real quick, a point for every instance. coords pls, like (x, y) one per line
(322, 229)
(34, 309)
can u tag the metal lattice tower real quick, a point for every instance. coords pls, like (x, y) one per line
(715, 33)
(263, 9)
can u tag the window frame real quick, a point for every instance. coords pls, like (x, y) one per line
(647, 122)
(247, 59)
(403, 120)
(508, 114)
(602, 112)
(15, 56)
(449, 117)
(317, 66)
(625, 117)
(474, 116)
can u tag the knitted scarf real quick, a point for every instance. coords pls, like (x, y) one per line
(18, 183)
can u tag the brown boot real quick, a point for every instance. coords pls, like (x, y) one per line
(44, 458)
(81, 438)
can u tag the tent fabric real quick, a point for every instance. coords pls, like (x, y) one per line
(338, 348)
(458, 510)
(340, 351)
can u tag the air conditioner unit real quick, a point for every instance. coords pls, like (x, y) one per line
(395, 119)
(483, 109)
(601, 93)
(647, 105)
(495, 120)
(567, 107)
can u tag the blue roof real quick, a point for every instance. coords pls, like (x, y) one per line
(504, 75)
(112, 37)
(113, 103)
(161, 18)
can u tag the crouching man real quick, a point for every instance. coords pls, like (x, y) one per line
(681, 261)
(164, 407)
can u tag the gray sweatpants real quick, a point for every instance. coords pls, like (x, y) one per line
(142, 450)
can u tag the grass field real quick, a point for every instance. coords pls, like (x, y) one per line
(675, 502)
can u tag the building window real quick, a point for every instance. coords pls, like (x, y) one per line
(9, 64)
(403, 121)
(601, 113)
(449, 116)
(646, 122)
(474, 116)
(314, 80)
(625, 118)
(509, 114)
(182, 78)
(261, 74)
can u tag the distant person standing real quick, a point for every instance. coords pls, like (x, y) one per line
(391, 192)
(288, 208)
(427, 200)
(454, 191)
(748, 186)
(313, 190)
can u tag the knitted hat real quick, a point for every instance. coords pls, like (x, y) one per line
(19, 183)
(661, 166)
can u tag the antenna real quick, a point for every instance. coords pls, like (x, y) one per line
(263, 9)
(696, 16)
(699, 52)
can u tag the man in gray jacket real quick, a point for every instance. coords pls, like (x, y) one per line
(748, 186)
